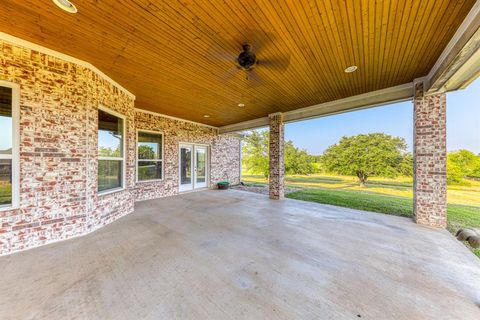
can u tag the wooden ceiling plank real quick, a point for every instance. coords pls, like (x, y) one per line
(332, 73)
(269, 50)
(343, 49)
(449, 28)
(334, 57)
(222, 86)
(388, 44)
(306, 30)
(268, 17)
(402, 29)
(243, 20)
(416, 47)
(406, 60)
(348, 18)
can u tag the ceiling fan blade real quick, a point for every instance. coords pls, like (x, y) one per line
(277, 64)
(259, 39)
(254, 79)
(229, 75)
(220, 55)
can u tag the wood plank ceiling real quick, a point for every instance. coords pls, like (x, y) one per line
(178, 57)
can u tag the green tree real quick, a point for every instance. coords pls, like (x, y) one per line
(366, 155)
(455, 173)
(255, 156)
(255, 152)
(297, 161)
(109, 152)
(405, 167)
(462, 164)
(146, 152)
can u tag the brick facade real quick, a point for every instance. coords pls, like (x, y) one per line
(59, 103)
(224, 153)
(430, 159)
(277, 167)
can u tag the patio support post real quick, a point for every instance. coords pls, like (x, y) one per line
(430, 158)
(277, 166)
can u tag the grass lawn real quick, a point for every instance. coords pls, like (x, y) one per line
(402, 186)
(382, 195)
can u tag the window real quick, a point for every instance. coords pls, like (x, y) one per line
(111, 159)
(149, 156)
(9, 169)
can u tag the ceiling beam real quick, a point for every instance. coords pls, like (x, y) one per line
(362, 101)
(459, 63)
(246, 125)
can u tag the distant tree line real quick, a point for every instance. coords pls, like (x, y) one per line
(363, 156)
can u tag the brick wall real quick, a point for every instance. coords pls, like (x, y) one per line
(276, 149)
(59, 104)
(430, 159)
(224, 153)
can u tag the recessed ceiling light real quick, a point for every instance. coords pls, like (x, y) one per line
(351, 69)
(66, 5)
(206, 116)
(241, 105)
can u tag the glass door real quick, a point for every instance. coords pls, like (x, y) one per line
(200, 167)
(193, 167)
(186, 168)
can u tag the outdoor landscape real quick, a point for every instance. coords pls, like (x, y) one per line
(372, 172)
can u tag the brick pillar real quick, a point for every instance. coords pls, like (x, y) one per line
(277, 167)
(430, 159)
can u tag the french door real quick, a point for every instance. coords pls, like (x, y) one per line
(193, 167)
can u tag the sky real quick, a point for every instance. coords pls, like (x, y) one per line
(463, 124)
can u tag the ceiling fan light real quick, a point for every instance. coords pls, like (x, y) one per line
(66, 5)
(241, 105)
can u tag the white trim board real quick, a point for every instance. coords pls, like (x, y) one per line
(15, 157)
(453, 62)
(33, 46)
(372, 99)
(137, 160)
(123, 158)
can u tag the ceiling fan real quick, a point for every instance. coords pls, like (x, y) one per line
(252, 61)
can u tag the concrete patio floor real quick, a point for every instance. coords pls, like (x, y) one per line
(238, 255)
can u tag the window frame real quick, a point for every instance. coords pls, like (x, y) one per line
(15, 156)
(123, 158)
(137, 160)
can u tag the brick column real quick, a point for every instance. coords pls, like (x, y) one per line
(430, 159)
(277, 167)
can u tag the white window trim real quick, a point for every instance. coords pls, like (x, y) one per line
(156, 160)
(124, 145)
(15, 156)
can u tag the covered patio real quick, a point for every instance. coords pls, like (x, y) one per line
(119, 118)
(239, 255)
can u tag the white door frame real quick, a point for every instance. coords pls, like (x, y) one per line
(193, 185)
(185, 187)
(199, 185)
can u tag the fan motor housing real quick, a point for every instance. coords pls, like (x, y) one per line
(247, 59)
